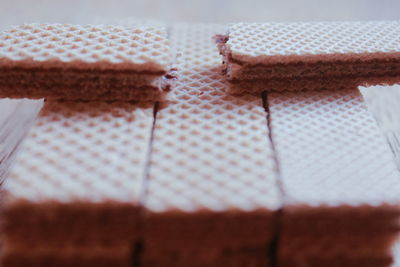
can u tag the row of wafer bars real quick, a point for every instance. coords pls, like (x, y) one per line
(73, 62)
(196, 181)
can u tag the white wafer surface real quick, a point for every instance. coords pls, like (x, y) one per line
(210, 150)
(288, 42)
(331, 151)
(83, 152)
(141, 48)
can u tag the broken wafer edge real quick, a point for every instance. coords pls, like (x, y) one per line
(309, 56)
(209, 201)
(91, 62)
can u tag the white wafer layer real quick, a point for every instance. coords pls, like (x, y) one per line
(211, 151)
(287, 42)
(140, 48)
(331, 151)
(83, 152)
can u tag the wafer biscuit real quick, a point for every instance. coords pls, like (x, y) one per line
(339, 180)
(68, 256)
(212, 193)
(286, 52)
(72, 62)
(76, 183)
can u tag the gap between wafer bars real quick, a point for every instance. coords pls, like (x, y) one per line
(92, 62)
(212, 196)
(315, 54)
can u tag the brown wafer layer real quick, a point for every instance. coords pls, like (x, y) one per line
(213, 257)
(348, 252)
(74, 84)
(209, 228)
(26, 224)
(209, 238)
(377, 67)
(118, 256)
(338, 236)
(307, 84)
(346, 220)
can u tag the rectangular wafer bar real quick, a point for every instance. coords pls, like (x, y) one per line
(279, 53)
(212, 195)
(72, 194)
(341, 186)
(73, 62)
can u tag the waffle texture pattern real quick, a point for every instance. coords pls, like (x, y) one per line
(331, 151)
(143, 48)
(288, 42)
(210, 150)
(83, 152)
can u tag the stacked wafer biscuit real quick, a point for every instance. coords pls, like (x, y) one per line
(207, 179)
(309, 56)
(341, 186)
(72, 197)
(212, 197)
(72, 62)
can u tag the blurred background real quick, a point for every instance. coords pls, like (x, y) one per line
(220, 11)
